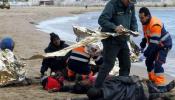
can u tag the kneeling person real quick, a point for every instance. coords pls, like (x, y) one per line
(55, 63)
(79, 58)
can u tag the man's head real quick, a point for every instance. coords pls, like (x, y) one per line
(144, 15)
(128, 2)
(7, 43)
(92, 49)
(54, 38)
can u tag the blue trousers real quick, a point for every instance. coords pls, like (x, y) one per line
(155, 61)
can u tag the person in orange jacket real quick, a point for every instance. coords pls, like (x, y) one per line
(78, 61)
(159, 43)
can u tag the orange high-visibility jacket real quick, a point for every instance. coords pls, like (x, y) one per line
(79, 60)
(155, 33)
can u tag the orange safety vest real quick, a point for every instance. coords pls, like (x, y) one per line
(79, 61)
(154, 32)
(80, 51)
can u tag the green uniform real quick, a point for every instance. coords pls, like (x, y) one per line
(114, 14)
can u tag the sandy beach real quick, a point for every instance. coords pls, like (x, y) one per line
(16, 23)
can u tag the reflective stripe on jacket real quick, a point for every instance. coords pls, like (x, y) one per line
(155, 33)
(79, 54)
(79, 60)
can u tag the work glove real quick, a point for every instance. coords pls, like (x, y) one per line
(143, 43)
(151, 49)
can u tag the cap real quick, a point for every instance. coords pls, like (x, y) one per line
(92, 48)
(54, 36)
(7, 43)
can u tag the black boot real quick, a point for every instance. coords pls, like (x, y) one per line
(162, 89)
(94, 93)
(170, 86)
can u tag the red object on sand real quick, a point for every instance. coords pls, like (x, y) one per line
(52, 83)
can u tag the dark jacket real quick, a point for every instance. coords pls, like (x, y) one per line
(78, 61)
(57, 63)
(52, 48)
(114, 14)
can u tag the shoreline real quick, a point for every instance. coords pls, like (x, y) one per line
(16, 23)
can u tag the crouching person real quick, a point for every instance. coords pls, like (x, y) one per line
(159, 43)
(78, 61)
(11, 69)
(54, 63)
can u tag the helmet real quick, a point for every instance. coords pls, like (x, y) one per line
(92, 48)
(7, 43)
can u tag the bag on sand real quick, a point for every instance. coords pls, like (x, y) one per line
(52, 84)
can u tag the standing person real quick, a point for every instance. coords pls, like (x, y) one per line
(117, 15)
(159, 43)
(56, 63)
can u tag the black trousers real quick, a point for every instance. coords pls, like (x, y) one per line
(55, 64)
(112, 49)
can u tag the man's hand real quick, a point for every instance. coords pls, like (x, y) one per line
(119, 29)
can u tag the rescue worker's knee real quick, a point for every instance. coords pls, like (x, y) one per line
(158, 67)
